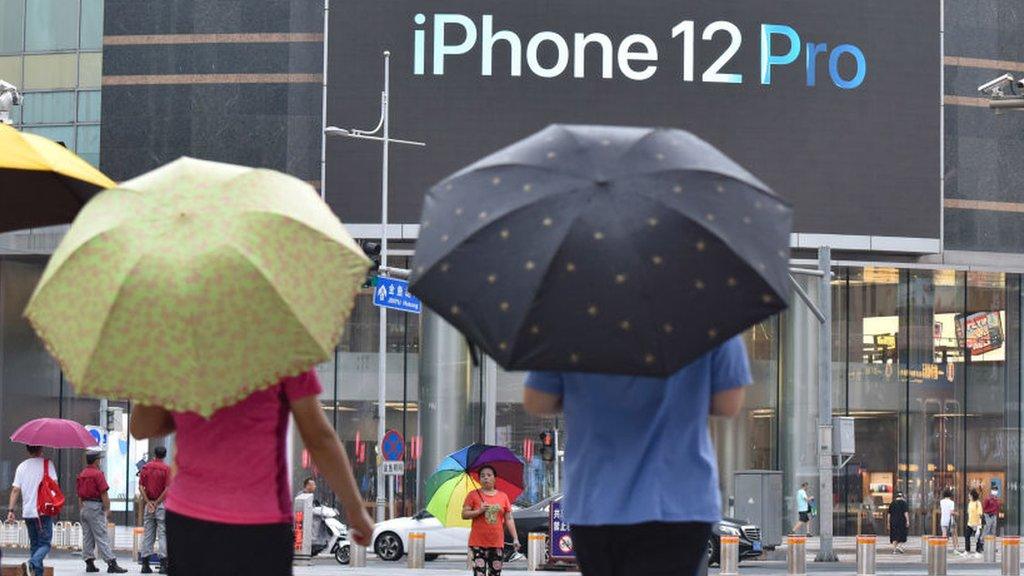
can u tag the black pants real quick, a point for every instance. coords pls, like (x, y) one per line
(649, 549)
(200, 548)
(968, 533)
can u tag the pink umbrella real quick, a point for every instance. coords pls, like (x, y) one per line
(55, 433)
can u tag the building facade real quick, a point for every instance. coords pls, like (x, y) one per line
(926, 346)
(52, 50)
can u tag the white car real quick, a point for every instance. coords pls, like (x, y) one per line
(390, 538)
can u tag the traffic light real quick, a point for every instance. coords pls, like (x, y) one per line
(372, 250)
(547, 449)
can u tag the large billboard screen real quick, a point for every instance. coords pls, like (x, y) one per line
(836, 105)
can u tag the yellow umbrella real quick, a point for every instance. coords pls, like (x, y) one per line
(41, 182)
(195, 284)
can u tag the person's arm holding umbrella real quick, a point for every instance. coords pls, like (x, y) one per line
(727, 403)
(469, 507)
(150, 422)
(323, 444)
(546, 402)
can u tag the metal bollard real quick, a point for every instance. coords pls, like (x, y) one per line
(924, 549)
(536, 551)
(417, 549)
(729, 556)
(866, 555)
(1011, 556)
(356, 555)
(990, 549)
(936, 556)
(796, 555)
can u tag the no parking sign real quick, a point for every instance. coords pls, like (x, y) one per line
(560, 545)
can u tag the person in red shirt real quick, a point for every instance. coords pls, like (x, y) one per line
(491, 512)
(990, 510)
(154, 478)
(94, 505)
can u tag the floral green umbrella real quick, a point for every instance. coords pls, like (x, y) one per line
(193, 285)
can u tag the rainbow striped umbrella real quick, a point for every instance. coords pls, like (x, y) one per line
(459, 474)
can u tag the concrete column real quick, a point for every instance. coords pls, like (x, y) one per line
(798, 405)
(446, 377)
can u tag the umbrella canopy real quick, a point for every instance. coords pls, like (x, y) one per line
(41, 182)
(603, 249)
(195, 284)
(459, 474)
(54, 433)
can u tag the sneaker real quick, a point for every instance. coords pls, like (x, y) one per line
(26, 569)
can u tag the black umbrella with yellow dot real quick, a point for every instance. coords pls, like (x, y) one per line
(603, 249)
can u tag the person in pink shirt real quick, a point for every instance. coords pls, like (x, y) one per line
(231, 490)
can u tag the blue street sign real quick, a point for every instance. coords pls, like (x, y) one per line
(394, 294)
(393, 445)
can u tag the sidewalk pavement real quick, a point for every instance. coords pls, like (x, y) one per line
(908, 564)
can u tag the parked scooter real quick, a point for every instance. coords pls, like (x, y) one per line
(332, 534)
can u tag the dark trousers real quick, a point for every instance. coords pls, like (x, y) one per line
(968, 534)
(200, 548)
(648, 549)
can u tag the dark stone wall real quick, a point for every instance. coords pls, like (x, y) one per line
(273, 124)
(984, 151)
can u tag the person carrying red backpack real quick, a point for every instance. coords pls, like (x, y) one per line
(27, 480)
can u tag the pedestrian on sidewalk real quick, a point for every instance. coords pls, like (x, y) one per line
(642, 500)
(491, 512)
(94, 507)
(231, 490)
(803, 510)
(154, 479)
(947, 517)
(974, 513)
(899, 522)
(990, 513)
(27, 478)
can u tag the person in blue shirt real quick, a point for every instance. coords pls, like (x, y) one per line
(803, 509)
(641, 479)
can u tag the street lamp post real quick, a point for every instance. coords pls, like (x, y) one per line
(385, 139)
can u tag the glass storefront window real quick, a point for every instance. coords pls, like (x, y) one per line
(51, 72)
(89, 106)
(90, 69)
(62, 134)
(92, 24)
(88, 144)
(10, 70)
(51, 25)
(12, 30)
(989, 333)
(48, 108)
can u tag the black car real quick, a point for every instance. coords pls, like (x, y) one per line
(535, 519)
(749, 534)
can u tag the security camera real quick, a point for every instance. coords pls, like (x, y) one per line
(995, 87)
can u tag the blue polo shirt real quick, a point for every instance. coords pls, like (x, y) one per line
(638, 449)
